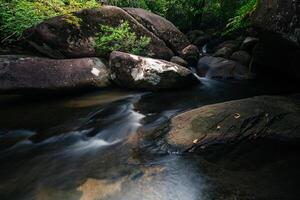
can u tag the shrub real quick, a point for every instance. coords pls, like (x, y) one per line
(156, 6)
(120, 39)
(18, 15)
(241, 18)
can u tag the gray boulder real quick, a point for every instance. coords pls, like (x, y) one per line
(57, 38)
(217, 67)
(277, 22)
(161, 27)
(237, 122)
(136, 72)
(278, 16)
(20, 74)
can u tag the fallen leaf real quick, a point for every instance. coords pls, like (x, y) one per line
(237, 115)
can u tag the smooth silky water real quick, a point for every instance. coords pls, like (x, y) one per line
(109, 145)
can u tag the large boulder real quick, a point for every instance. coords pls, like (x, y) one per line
(279, 16)
(58, 38)
(20, 74)
(161, 27)
(217, 67)
(237, 122)
(136, 72)
(278, 24)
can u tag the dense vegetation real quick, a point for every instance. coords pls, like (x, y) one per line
(120, 38)
(18, 15)
(192, 14)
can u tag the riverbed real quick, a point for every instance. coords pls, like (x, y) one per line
(109, 145)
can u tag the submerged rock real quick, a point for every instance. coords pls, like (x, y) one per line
(136, 72)
(217, 67)
(20, 74)
(161, 27)
(58, 38)
(231, 123)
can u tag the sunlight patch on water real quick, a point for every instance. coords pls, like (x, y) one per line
(97, 99)
(172, 178)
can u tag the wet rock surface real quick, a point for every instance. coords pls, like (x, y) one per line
(270, 118)
(76, 138)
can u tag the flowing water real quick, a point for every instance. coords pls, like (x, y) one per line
(108, 145)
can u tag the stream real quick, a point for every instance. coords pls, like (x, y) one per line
(109, 145)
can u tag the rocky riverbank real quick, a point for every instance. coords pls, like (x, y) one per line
(62, 46)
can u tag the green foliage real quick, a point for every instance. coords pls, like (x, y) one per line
(129, 3)
(156, 6)
(240, 20)
(193, 14)
(185, 14)
(120, 39)
(18, 15)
